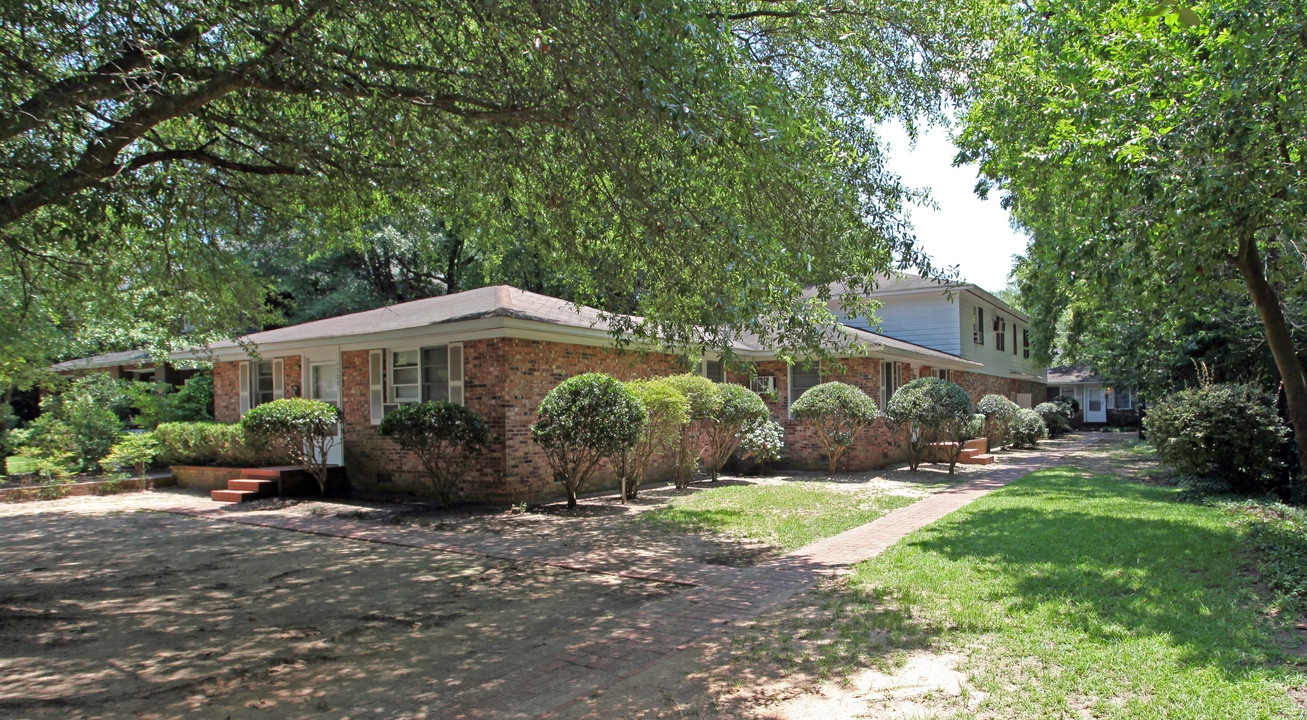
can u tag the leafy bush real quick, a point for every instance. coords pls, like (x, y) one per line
(737, 408)
(192, 402)
(135, 450)
(1056, 417)
(975, 428)
(207, 443)
(666, 410)
(582, 421)
(836, 412)
(999, 413)
(1072, 408)
(1027, 429)
(701, 394)
(763, 441)
(304, 429)
(443, 435)
(1228, 431)
(7, 423)
(50, 444)
(932, 411)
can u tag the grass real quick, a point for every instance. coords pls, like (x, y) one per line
(1076, 596)
(15, 465)
(783, 516)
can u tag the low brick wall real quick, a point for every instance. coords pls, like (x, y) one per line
(204, 477)
(92, 487)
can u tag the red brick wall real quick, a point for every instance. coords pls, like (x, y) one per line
(226, 392)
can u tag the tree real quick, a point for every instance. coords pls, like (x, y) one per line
(303, 429)
(836, 412)
(932, 411)
(737, 408)
(701, 395)
(671, 147)
(443, 435)
(1154, 155)
(666, 410)
(582, 421)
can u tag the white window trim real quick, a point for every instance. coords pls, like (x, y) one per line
(376, 385)
(243, 379)
(887, 392)
(789, 386)
(703, 368)
(388, 371)
(278, 378)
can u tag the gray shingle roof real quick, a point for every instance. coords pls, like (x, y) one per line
(1072, 375)
(113, 359)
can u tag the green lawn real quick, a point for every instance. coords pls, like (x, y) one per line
(15, 465)
(784, 516)
(1075, 596)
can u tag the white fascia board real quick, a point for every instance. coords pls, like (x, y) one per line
(985, 296)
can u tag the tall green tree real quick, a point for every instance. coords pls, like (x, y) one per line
(1154, 147)
(716, 156)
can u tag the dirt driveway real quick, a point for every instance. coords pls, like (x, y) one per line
(113, 614)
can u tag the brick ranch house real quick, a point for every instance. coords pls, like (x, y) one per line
(498, 351)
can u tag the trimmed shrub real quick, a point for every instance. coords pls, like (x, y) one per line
(1056, 417)
(135, 450)
(737, 408)
(1072, 408)
(999, 413)
(836, 412)
(443, 435)
(763, 441)
(207, 443)
(932, 411)
(1227, 431)
(975, 428)
(1027, 429)
(304, 429)
(666, 410)
(582, 421)
(701, 394)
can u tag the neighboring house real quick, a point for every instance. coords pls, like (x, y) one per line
(1100, 403)
(128, 365)
(963, 320)
(498, 351)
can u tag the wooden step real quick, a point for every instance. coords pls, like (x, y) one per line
(985, 459)
(233, 496)
(264, 487)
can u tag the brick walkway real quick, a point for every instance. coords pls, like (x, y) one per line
(716, 597)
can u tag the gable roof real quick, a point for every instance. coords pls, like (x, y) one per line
(1073, 375)
(504, 301)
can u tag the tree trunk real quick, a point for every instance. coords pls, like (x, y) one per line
(1277, 335)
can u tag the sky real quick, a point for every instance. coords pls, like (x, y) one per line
(966, 231)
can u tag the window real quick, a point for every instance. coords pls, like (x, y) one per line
(714, 370)
(262, 386)
(1014, 339)
(978, 326)
(890, 380)
(1123, 400)
(433, 373)
(803, 377)
(1025, 343)
(1000, 333)
(942, 374)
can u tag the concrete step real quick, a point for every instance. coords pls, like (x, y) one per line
(980, 445)
(968, 453)
(264, 487)
(985, 459)
(233, 496)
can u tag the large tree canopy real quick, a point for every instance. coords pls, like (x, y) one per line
(1157, 159)
(715, 156)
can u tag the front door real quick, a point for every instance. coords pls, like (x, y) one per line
(322, 382)
(1095, 404)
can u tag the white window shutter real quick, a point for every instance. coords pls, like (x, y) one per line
(278, 379)
(456, 373)
(376, 385)
(243, 379)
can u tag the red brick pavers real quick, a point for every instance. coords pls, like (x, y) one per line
(715, 599)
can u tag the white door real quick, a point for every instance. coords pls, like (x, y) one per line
(322, 382)
(1095, 404)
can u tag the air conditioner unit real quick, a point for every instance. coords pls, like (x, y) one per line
(763, 384)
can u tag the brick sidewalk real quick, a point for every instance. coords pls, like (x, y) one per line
(717, 598)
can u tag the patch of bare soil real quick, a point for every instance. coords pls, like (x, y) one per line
(107, 614)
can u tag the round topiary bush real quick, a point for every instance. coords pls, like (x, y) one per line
(582, 421)
(737, 408)
(836, 412)
(1227, 431)
(999, 413)
(763, 441)
(1056, 417)
(701, 394)
(933, 411)
(443, 436)
(1027, 428)
(666, 410)
(303, 429)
